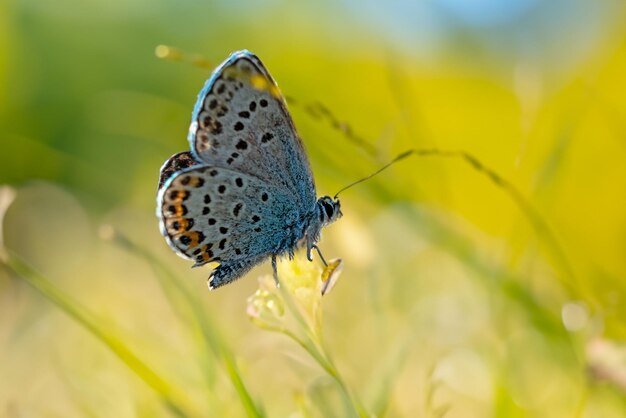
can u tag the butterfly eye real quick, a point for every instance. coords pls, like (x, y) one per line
(328, 208)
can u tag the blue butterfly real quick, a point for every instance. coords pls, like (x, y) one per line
(245, 191)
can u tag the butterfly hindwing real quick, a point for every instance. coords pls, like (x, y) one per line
(216, 214)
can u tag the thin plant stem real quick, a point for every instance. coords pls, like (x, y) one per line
(540, 225)
(314, 347)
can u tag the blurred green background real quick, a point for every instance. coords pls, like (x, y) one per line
(456, 299)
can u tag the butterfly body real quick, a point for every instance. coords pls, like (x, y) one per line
(244, 192)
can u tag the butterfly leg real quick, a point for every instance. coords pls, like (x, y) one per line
(275, 270)
(319, 252)
(309, 246)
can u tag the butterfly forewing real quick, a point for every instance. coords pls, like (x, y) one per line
(241, 122)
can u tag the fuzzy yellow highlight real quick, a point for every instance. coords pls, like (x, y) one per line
(201, 62)
(168, 53)
(261, 83)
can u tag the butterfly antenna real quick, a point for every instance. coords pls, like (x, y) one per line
(381, 169)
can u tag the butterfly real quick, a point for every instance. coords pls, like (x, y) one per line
(244, 192)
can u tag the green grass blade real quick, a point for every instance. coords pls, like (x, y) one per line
(173, 399)
(211, 339)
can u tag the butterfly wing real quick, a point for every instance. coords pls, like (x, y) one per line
(241, 122)
(175, 163)
(216, 214)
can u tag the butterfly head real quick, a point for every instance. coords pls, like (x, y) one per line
(329, 210)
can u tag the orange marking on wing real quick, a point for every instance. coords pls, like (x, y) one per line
(176, 225)
(196, 182)
(194, 236)
(179, 196)
(178, 210)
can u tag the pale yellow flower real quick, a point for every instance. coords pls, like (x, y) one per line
(304, 282)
